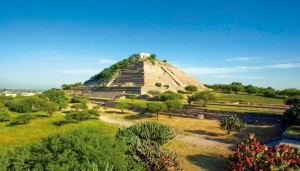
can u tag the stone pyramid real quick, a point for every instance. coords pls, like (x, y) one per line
(142, 76)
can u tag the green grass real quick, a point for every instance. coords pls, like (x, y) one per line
(244, 109)
(247, 99)
(38, 128)
(292, 132)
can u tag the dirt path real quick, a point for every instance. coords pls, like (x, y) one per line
(193, 139)
(116, 121)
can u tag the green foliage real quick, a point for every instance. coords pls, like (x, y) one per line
(152, 57)
(231, 123)
(169, 95)
(173, 105)
(290, 116)
(236, 87)
(290, 92)
(292, 100)
(156, 107)
(269, 93)
(4, 116)
(251, 155)
(80, 99)
(250, 89)
(158, 84)
(71, 151)
(131, 97)
(72, 86)
(57, 96)
(145, 141)
(204, 96)
(22, 119)
(81, 115)
(121, 106)
(191, 88)
(79, 106)
(106, 74)
(32, 104)
(153, 93)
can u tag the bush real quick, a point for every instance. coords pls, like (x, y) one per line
(292, 101)
(251, 155)
(269, 93)
(80, 99)
(81, 115)
(4, 116)
(121, 106)
(79, 106)
(153, 93)
(145, 141)
(74, 150)
(231, 123)
(169, 95)
(291, 115)
(191, 88)
(22, 119)
(158, 84)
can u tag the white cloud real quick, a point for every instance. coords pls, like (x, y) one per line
(242, 59)
(106, 61)
(80, 71)
(213, 71)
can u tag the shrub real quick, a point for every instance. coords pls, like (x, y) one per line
(251, 155)
(231, 123)
(121, 106)
(269, 93)
(79, 106)
(81, 115)
(191, 88)
(145, 141)
(291, 115)
(291, 101)
(169, 95)
(73, 150)
(22, 119)
(158, 84)
(4, 116)
(80, 99)
(153, 93)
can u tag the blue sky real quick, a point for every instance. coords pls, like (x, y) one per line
(44, 44)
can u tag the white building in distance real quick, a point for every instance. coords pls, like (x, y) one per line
(142, 55)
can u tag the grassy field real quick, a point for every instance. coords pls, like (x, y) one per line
(195, 155)
(292, 132)
(247, 99)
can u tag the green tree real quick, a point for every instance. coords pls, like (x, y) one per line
(169, 95)
(204, 96)
(291, 92)
(4, 116)
(22, 119)
(132, 97)
(292, 100)
(231, 123)
(152, 57)
(173, 106)
(153, 93)
(191, 88)
(79, 106)
(291, 115)
(50, 107)
(236, 87)
(156, 108)
(121, 106)
(250, 89)
(57, 96)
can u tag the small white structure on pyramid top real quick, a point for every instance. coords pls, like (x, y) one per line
(143, 55)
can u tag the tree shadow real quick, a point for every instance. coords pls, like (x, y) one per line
(207, 161)
(138, 116)
(116, 112)
(202, 132)
(42, 115)
(60, 123)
